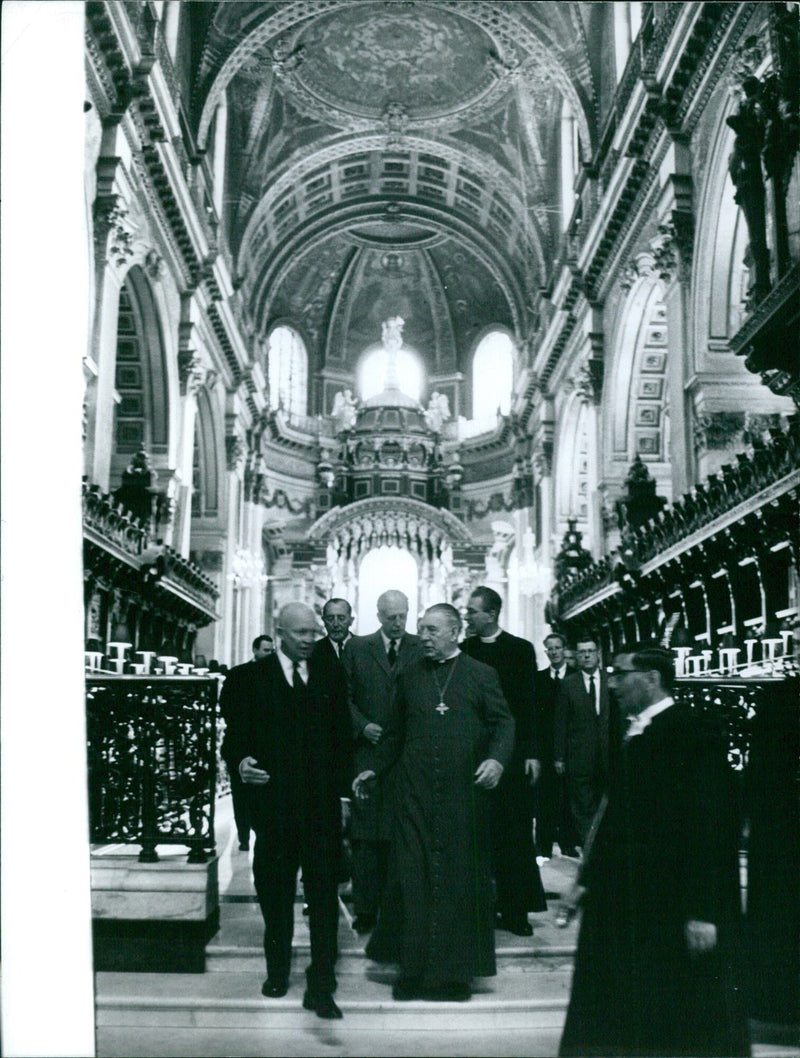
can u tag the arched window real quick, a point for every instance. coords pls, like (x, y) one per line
(372, 374)
(492, 375)
(288, 371)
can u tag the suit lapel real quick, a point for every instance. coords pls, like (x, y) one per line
(376, 643)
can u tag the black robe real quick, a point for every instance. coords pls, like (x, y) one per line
(665, 852)
(437, 914)
(519, 884)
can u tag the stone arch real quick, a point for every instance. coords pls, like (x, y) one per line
(143, 417)
(637, 396)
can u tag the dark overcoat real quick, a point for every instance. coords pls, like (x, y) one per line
(371, 698)
(306, 749)
(665, 852)
(437, 912)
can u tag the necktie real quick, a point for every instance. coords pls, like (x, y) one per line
(391, 654)
(591, 693)
(556, 679)
(297, 679)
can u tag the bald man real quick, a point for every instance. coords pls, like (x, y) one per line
(292, 746)
(372, 664)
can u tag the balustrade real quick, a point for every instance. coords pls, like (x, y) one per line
(112, 521)
(152, 756)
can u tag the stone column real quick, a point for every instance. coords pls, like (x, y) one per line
(672, 251)
(48, 1002)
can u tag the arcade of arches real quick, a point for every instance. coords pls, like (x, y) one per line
(437, 294)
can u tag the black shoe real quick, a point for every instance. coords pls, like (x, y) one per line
(322, 1004)
(363, 923)
(406, 988)
(455, 992)
(244, 846)
(519, 926)
(274, 989)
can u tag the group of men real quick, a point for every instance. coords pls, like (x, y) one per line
(447, 758)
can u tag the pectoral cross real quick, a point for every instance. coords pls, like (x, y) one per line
(441, 708)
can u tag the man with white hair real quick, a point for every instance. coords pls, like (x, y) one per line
(372, 664)
(291, 737)
(452, 736)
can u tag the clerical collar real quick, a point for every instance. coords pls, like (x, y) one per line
(643, 719)
(288, 668)
(441, 661)
(491, 639)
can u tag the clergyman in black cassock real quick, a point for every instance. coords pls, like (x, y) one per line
(453, 735)
(657, 967)
(292, 738)
(519, 884)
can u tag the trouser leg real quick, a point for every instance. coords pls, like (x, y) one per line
(519, 885)
(275, 875)
(241, 808)
(319, 873)
(369, 875)
(583, 799)
(546, 811)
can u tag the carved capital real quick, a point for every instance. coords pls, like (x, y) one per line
(234, 451)
(190, 371)
(113, 235)
(718, 430)
(672, 247)
(642, 265)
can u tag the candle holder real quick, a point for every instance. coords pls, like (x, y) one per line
(119, 648)
(169, 664)
(140, 668)
(147, 658)
(92, 659)
(729, 659)
(183, 668)
(680, 662)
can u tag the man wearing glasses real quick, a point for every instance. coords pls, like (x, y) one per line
(657, 964)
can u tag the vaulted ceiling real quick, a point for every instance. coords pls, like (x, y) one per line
(392, 156)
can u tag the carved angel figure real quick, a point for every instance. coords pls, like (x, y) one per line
(437, 412)
(344, 410)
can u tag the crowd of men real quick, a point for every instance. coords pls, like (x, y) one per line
(460, 766)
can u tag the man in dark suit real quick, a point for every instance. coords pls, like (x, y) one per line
(658, 967)
(553, 820)
(337, 616)
(291, 739)
(585, 735)
(372, 664)
(516, 873)
(237, 679)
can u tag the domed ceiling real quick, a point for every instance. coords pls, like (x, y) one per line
(393, 157)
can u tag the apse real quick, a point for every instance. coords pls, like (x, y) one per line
(381, 569)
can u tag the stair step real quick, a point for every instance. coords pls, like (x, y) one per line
(233, 1000)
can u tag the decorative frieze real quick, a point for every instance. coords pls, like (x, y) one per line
(673, 246)
(234, 451)
(718, 430)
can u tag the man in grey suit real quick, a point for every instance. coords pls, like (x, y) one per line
(586, 733)
(372, 664)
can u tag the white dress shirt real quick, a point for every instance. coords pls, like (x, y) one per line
(339, 647)
(387, 642)
(288, 668)
(596, 676)
(558, 674)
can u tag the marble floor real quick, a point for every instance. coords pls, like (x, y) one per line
(221, 1012)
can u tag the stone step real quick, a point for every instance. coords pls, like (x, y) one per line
(233, 1001)
(250, 958)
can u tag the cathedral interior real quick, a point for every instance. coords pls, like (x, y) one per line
(427, 294)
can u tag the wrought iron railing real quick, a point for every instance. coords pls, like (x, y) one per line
(152, 751)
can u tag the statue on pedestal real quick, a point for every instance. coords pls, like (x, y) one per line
(344, 410)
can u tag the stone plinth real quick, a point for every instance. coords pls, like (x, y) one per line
(153, 917)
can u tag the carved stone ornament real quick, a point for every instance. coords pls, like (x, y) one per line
(589, 381)
(234, 451)
(395, 119)
(154, 265)
(643, 265)
(672, 247)
(286, 59)
(190, 371)
(718, 430)
(112, 230)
